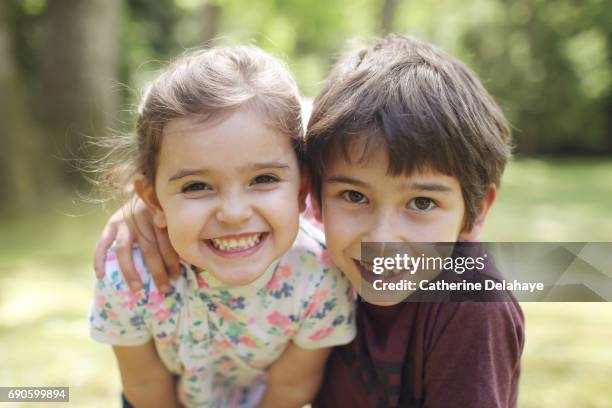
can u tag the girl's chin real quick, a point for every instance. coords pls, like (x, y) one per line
(235, 277)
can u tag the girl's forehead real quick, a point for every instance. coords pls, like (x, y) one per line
(235, 142)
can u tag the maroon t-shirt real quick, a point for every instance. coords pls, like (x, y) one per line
(464, 354)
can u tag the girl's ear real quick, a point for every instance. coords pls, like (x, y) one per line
(146, 191)
(473, 233)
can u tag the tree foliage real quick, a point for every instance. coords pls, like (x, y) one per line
(71, 64)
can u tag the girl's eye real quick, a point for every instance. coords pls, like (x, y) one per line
(422, 204)
(265, 179)
(198, 186)
(355, 197)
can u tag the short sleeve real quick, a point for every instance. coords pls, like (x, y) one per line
(329, 314)
(117, 315)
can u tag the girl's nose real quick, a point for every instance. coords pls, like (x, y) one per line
(234, 210)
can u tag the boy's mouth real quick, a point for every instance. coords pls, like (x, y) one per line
(234, 244)
(366, 271)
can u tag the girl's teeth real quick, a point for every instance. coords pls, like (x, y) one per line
(232, 244)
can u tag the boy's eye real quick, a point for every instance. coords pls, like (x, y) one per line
(422, 204)
(353, 196)
(265, 179)
(198, 186)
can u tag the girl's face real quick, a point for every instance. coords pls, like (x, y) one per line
(228, 194)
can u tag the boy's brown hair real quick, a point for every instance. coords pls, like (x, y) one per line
(424, 106)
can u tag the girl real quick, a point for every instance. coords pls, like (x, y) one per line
(256, 309)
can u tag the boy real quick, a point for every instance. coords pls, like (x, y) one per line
(405, 145)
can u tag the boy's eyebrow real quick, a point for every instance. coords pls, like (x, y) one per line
(347, 180)
(419, 186)
(249, 167)
(424, 186)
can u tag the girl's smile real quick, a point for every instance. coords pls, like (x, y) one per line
(237, 245)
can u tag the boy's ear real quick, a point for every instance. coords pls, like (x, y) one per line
(473, 233)
(304, 189)
(146, 191)
(316, 208)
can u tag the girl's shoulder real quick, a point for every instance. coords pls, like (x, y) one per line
(114, 277)
(308, 252)
(120, 316)
(307, 266)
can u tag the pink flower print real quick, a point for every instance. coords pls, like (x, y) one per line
(223, 343)
(319, 295)
(201, 281)
(133, 298)
(284, 271)
(321, 333)
(162, 314)
(317, 298)
(275, 282)
(247, 341)
(311, 309)
(278, 320)
(155, 298)
(100, 301)
(324, 258)
(112, 314)
(225, 313)
(111, 257)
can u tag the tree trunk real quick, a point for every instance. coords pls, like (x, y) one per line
(79, 89)
(20, 157)
(389, 7)
(210, 17)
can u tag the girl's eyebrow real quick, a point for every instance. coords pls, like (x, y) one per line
(249, 167)
(187, 172)
(265, 165)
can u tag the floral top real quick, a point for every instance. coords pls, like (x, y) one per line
(220, 339)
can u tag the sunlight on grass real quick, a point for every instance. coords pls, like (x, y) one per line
(46, 279)
(553, 201)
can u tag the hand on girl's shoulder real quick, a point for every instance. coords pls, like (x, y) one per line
(118, 315)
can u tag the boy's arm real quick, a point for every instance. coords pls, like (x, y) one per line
(294, 379)
(146, 381)
(476, 358)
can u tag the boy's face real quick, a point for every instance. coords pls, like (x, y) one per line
(360, 202)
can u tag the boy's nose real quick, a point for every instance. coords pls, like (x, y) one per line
(234, 211)
(385, 228)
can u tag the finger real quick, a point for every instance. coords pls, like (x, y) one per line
(153, 259)
(123, 248)
(168, 253)
(106, 240)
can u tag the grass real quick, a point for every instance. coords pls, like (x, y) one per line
(46, 279)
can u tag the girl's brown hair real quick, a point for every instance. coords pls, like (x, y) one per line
(208, 85)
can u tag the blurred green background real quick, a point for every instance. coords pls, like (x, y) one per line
(72, 69)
